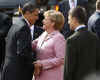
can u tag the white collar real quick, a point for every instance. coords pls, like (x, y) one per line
(80, 26)
(32, 27)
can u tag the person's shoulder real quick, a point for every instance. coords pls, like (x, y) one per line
(95, 15)
(74, 36)
(3, 16)
(93, 35)
(18, 21)
(18, 24)
(59, 36)
(72, 39)
(86, 36)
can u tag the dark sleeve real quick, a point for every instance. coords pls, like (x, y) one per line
(24, 48)
(5, 24)
(70, 61)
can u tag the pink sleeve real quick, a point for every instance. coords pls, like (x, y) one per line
(59, 51)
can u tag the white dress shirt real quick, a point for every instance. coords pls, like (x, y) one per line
(72, 5)
(32, 31)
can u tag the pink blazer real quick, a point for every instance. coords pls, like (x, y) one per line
(50, 54)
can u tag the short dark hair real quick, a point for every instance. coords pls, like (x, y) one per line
(29, 6)
(98, 4)
(79, 13)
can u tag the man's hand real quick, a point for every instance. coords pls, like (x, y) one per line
(38, 69)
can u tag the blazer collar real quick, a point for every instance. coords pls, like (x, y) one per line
(51, 34)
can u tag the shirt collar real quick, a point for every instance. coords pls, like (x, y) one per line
(80, 26)
(32, 27)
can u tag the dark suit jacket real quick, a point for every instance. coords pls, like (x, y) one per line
(5, 24)
(80, 58)
(94, 23)
(37, 32)
(18, 59)
(64, 7)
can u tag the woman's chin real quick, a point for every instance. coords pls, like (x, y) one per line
(44, 27)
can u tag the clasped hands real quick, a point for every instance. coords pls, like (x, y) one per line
(38, 69)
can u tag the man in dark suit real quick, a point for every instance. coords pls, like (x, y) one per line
(64, 7)
(18, 59)
(36, 31)
(80, 58)
(94, 20)
(5, 24)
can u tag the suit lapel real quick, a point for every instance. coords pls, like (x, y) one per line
(25, 22)
(34, 32)
(27, 26)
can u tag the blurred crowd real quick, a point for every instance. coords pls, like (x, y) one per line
(44, 41)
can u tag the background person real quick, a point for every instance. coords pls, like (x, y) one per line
(82, 47)
(5, 24)
(18, 58)
(94, 20)
(64, 7)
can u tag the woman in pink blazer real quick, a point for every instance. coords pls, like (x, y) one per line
(50, 48)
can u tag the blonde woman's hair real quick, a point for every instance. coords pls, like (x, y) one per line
(56, 17)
